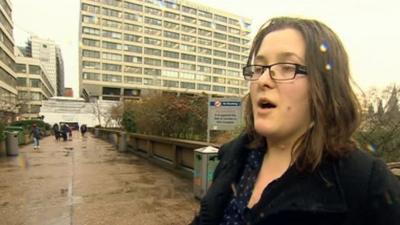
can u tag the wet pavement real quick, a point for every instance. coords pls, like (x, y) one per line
(86, 181)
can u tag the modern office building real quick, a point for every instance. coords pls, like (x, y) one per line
(33, 86)
(46, 51)
(60, 72)
(8, 89)
(132, 47)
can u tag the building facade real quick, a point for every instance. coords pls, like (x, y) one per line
(45, 50)
(33, 86)
(8, 89)
(60, 72)
(131, 47)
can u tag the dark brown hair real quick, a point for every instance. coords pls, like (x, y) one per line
(333, 105)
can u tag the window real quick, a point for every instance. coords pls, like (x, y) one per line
(220, 18)
(153, 82)
(132, 59)
(90, 76)
(219, 71)
(189, 10)
(171, 15)
(111, 45)
(153, 11)
(172, 35)
(187, 66)
(152, 41)
(133, 38)
(234, 39)
(203, 78)
(152, 31)
(204, 59)
(133, 69)
(152, 51)
(189, 29)
(219, 80)
(35, 83)
(133, 48)
(233, 30)
(171, 54)
(171, 25)
(112, 67)
(220, 27)
(188, 19)
(218, 88)
(188, 85)
(219, 53)
(206, 42)
(152, 62)
(91, 54)
(132, 27)
(205, 87)
(133, 17)
(91, 31)
(111, 23)
(91, 65)
(188, 76)
(169, 73)
(232, 73)
(111, 12)
(112, 78)
(111, 34)
(188, 57)
(171, 64)
(91, 42)
(152, 21)
(133, 80)
(234, 65)
(112, 56)
(204, 69)
(205, 23)
(219, 36)
(112, 2)
(21, 81)
(20, 68)
(172, 5)
(219, 44)
(133, 6)
(152, 72)
(171, 44)
(170, 83)
(233, 56)
(234, 48)
(188, 38)
(219, 62)
(188, 48)
(90, 8)
(233, 90)
(205, 33)
(232, 82)
(89, 19)
(233, 22)
(205, 14)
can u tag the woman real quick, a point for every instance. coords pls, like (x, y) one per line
(296, 162)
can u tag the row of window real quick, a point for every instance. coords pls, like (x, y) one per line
(158, 12)
(164, 83)
(28, 108)
(7, 78)
(6, 41)
(165, 33)
(173, 74)
(6, 59)
(6, 7)
(158, 62)
(6, 24)
(33, 69)
(7, 97)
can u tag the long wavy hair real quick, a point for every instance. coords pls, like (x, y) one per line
(334, 107)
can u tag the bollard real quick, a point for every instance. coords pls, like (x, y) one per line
(96, 132)
(12, 143)
(122, 142)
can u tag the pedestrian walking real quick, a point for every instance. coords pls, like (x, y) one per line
(35, 132)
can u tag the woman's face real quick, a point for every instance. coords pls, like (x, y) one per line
(287, 116)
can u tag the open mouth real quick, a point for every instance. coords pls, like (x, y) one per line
(265, 104)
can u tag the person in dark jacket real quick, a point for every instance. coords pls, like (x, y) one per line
(296, 162)
(35, 132)
(83, 129)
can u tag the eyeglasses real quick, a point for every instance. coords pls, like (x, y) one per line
(277, 71)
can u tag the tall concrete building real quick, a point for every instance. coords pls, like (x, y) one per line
(132, 47)
(8, 90)
(60, 72)
(46, 51)
(33, 85)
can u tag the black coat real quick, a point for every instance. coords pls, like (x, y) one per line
(354, 190)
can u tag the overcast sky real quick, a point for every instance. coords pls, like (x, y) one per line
(368, 29)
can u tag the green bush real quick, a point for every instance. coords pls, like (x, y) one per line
(27, 124)
(128, 121)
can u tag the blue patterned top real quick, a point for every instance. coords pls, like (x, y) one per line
(234, 213)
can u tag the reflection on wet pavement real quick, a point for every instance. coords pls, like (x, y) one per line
(85, 181)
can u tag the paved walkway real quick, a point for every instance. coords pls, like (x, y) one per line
(84, 182)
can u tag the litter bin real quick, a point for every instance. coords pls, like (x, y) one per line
(12, 143)
(21, 133)
(205, 162)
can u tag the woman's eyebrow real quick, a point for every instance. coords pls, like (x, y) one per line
(289, 55)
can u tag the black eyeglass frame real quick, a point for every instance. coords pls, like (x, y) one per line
(299, 69)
